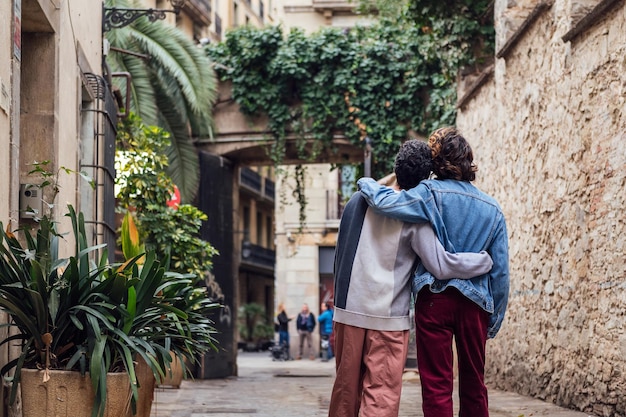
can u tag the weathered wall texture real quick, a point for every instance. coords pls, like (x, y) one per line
(549, 137)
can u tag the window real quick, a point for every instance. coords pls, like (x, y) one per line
(246, 223)
(218, 25)
(259, 229)
(269, 231)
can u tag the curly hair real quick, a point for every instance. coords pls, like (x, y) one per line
(452, 155)
(413, 163)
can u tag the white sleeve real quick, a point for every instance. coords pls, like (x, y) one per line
(443, 264)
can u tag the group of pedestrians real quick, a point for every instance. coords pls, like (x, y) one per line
(441, 243)
(305, 326)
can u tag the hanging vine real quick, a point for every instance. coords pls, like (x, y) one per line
(388, 81)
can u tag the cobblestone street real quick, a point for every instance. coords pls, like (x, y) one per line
(266, 388)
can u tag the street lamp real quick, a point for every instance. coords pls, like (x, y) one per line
(118, 17)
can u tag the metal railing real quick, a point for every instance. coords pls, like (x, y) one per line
(250, 179)
(257, 255)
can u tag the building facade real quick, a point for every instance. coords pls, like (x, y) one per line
(305, 252)
(55, 111)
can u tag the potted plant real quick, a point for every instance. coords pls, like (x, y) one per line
(172, 231)
(255, 333)
(70, 313)
(89, 318)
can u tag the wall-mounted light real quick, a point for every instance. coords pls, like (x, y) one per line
(118, 17)
(246, 249)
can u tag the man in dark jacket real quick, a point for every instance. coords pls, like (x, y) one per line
(305, 325)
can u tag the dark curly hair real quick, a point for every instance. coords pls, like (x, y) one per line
(452, 155)
(413, 163)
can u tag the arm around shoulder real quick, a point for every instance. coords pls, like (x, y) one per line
(406, 205)
(446, 265)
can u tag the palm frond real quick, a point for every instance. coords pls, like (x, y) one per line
(184, 164)
(175, 88)
(169, 49)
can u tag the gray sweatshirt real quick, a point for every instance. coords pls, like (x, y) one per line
(375, 259)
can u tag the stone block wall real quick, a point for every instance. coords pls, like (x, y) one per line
(548, 130)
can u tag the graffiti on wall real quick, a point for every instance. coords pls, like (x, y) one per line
(215, 292)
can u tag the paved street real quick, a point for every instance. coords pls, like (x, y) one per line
(265, 388)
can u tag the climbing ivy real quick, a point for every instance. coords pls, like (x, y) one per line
(331, 82)
(388, 81)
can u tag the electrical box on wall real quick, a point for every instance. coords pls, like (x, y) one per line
(31, 203)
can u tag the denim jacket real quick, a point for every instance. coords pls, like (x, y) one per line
(465, 220)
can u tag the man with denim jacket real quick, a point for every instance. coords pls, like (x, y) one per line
(465, 220)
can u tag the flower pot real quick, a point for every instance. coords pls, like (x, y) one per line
(147, 383)
(69, 394)
(174, 375)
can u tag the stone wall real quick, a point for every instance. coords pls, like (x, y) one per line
(548, 129)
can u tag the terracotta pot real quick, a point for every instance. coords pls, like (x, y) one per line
(69, 394)
(147, 383)
(174, 375)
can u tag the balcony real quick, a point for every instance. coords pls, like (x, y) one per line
(257, 256)
(269, 191)
(199, 11)
(250, 179)
(333, 5)
(259, 186)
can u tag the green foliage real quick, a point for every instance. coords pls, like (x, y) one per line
(362, 82)
(145, 188)
(462, 31)
(389, 81)
(83, 314)
(171, 233)
(252, 323)
(188, 305)
(141, 164)
(173, 87)
(174, 232)
(76, 314)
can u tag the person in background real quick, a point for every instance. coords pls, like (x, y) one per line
(464, 312)
(375, 259)
(283, 327)
(325, 320)
(305, 325)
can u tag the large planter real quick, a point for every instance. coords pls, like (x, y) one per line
(173, 375)
(147, 383)
(69, 394)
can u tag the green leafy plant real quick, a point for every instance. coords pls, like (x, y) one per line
(172, 233)
(73, 313)
(145, 189)
(183, 328)
(387, 81)
(253, 327)
(172, 85)
(80, 313)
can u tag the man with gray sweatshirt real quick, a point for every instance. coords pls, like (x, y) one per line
(374, 262)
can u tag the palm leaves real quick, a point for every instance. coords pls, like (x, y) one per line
(173, 87)
(76, 314)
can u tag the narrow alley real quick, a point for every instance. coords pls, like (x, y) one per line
(267, 388)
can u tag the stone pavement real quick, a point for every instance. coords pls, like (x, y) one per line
(267, 388)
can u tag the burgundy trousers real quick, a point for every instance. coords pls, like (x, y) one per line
(369, 366)
(439, 317)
